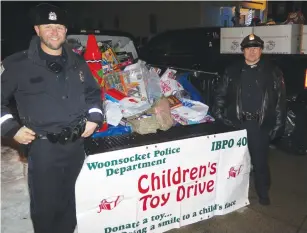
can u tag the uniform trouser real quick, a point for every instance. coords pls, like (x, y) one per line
(53, 170)
(258, 145)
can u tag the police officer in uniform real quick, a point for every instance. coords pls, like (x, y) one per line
(59, 105)
(251, 96)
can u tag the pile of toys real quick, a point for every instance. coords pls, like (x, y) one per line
(137, 98)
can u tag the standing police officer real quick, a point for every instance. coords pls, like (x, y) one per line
(59, 104)
(251, 96)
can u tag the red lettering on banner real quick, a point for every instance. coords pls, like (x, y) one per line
(185, 192)
(141, 190)
(154, 201)
(213, 169)
(176, 179)
(169, 178)
(193, 174)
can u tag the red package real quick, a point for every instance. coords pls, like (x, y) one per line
(116, 94)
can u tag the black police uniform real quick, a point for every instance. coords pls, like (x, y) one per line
(258, 140)
(252, 97)
(54, 95)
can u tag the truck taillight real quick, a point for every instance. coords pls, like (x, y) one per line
(305, 86)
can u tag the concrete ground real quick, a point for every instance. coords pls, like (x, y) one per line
(287, 213)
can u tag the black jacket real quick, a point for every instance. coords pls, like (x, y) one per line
(46, 102)
(228, 102)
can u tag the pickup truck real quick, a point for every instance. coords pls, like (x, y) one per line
(204, 68)
(198, 50)
(126, 44)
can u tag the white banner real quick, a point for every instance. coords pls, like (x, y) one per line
(155, 188)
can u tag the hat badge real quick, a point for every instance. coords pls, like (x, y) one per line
(251, 37)
(52, 16)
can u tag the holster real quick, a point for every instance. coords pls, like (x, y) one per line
(68, 134)
(71, 134)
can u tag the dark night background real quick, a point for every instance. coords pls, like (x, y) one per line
(16, 28)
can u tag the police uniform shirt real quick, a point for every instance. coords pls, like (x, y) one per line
(60, 62)
(45, 104)
(52, 58)
(251, 92)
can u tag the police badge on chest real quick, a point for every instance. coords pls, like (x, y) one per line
(81, 75)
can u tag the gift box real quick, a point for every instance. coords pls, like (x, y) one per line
(131, 82)
(280, 39)
(109, 57)
(231, 38)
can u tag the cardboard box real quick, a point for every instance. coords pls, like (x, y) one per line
(231, 38)
(280, 39)
(304, 39)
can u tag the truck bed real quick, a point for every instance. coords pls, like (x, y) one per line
(106, 144)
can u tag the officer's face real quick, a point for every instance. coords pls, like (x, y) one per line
(52, 35)
(252, 54)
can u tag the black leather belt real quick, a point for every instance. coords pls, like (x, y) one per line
(247, 116)
(67, 134)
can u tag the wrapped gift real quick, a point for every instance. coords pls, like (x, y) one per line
(109, 56)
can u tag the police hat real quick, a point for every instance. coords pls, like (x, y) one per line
(252, 41)
(48, 14)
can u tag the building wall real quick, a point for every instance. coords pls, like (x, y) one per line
(134, 17)
(226, 16)
(210, 15)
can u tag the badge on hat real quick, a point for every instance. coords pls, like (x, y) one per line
(52, 16)
(251, 37)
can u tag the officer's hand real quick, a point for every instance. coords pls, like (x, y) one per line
(24, 135)
(89, 129)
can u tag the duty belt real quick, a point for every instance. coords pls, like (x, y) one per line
(247, 116)
(67, 134)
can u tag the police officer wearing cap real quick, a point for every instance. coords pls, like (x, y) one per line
(251, 96)
(59, 105)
